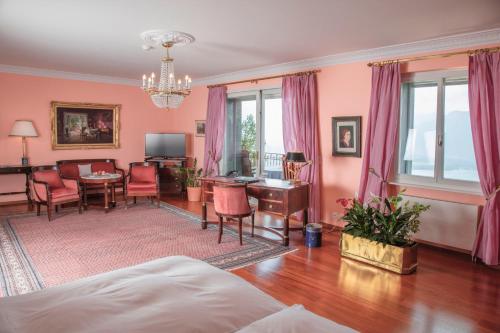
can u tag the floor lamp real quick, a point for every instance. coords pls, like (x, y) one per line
(24, 129)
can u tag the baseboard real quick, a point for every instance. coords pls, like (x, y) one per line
(13, 202)
(442, 246)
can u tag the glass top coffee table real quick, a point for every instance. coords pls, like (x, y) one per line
(107, 181)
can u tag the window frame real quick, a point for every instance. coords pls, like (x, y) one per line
(438, 182)
(260, 95)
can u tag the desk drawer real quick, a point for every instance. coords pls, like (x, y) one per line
(276, 195)
(269, 206)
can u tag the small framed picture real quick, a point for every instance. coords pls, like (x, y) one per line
(346, 136)
(200, 127)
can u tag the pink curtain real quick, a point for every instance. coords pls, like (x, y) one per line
(300, 131)
(214, 130)
(382, 131)
(484, 103)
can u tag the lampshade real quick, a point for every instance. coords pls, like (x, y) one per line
(23, 128)
(295, 156)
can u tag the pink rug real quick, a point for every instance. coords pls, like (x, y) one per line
(36, 253)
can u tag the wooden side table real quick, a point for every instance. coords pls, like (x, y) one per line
(108, 181)
(18, 169)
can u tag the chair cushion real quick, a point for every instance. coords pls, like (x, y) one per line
(141, 187)
(103, 166)
(69, 170)
(64, 194)
(143, 173)
(84, 169)
(51, 177)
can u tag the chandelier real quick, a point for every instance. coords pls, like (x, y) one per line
(167, 92)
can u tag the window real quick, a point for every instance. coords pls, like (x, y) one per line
(253, 143)
(435, 147)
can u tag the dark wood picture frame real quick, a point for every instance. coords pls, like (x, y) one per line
(346, 136)
(200, 126)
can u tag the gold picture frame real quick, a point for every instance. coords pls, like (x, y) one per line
(84, 125)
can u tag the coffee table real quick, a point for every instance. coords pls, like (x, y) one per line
(108, 181)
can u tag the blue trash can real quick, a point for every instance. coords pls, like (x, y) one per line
(313, 234)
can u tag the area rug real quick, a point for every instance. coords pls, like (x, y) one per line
(36, 253)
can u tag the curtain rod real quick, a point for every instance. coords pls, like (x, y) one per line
(256, 80)
(433, 56)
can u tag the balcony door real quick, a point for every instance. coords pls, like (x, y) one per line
(253, 143)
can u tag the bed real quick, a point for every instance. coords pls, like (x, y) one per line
(173, 294)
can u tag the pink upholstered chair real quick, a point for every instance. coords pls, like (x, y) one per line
(231, 201)
(142, 181)
(50, 189)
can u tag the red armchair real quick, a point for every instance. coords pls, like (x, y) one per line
(231, 201)
(142, 180)
(50, 189)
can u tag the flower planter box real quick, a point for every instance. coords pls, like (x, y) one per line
(402, 260)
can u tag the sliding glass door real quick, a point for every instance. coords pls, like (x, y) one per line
(253, 143)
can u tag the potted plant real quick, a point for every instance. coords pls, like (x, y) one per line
(379, 232)
(190, 177)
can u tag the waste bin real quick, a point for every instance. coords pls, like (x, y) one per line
(313, 234)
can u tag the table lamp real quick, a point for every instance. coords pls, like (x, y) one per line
(295, 162)
(24, 129)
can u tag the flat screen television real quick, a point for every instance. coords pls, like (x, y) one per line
(167, 145)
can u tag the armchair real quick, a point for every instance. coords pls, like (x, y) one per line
(50, 189)
(142, 180)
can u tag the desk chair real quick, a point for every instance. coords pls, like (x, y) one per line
(231, 201)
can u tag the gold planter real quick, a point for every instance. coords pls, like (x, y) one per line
(402, 260)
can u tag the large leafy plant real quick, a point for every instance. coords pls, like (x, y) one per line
(389, 220)
(191, 176)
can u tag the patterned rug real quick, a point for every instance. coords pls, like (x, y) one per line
(36, 253)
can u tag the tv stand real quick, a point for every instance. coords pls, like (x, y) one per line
(168, 170)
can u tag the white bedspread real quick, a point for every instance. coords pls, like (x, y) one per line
(175, 294)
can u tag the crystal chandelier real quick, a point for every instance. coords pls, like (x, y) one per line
(167, 92)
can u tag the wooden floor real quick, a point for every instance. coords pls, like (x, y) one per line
(448, 293)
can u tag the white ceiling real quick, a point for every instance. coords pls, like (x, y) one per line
(101, 37)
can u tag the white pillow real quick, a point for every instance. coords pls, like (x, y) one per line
(84, 169)
(295, 319)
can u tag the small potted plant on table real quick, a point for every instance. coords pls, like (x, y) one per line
(379, 232)
(191, 179)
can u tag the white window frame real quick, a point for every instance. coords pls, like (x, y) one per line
(438, 181)
(260, 95)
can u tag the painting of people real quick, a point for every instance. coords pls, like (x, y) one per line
(346, 136)
(84, 126)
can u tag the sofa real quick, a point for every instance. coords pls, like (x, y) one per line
(69, 169)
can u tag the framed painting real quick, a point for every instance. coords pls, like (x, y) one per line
(85, 125)
(346, 136)
(200, 127)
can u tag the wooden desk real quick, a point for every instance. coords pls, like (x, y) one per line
(274, 196)
(18, 169)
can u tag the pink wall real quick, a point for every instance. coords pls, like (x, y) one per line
(29, 97)
(344, 90)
